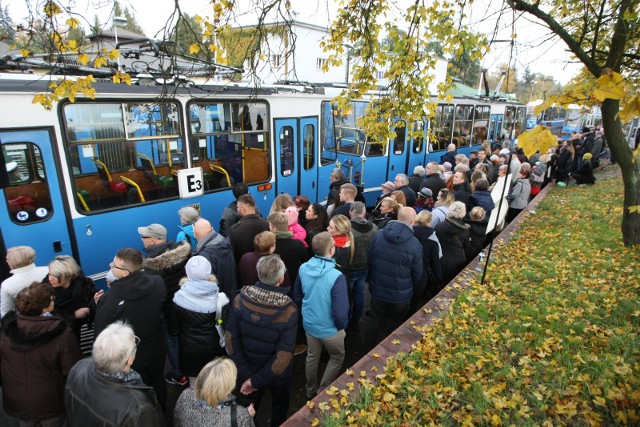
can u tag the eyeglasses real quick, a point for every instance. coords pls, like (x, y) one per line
(145, 237)
(136, 339)
(112, 265)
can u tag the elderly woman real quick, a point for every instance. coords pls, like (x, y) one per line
(188, 216)
(37, 351)
(441, 207)
(211, 402)
(21, 262)
(73, 291)
(453, 235)
(105, 390)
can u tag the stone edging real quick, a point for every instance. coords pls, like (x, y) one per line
(407, 333)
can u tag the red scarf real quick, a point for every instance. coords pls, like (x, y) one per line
(341, 241)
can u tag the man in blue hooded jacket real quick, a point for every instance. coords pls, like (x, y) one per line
(321, 291)
(395, 269)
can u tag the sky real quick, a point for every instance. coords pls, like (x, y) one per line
(548, 57)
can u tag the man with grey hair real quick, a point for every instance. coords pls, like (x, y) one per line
(105, 390)
(321, 291)
(395, 270)
(416, 179)
(261, 335)
(337, 180)
(450, 155)
(402, 183)
(432, 180)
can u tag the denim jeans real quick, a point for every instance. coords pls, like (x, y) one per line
(355, 281)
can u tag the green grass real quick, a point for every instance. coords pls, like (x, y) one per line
(551, 338)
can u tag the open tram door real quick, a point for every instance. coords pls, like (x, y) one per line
(296, 148)
(32, 212)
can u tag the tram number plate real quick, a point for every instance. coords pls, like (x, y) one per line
(190, 182)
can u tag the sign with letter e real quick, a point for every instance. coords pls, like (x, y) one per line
(190, 182)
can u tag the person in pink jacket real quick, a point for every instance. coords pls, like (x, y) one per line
(298, 231)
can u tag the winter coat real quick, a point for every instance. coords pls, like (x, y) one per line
(22, 277)
(449, 156)
(434, 183)
(218, 251)
(383, 219)
(293, 254)
(247, 269)
(137, 299)
(97, 399)
(229, 217)
(414, 182)
(409, 194)
(564, 165)
(242, 233)
(168, 260)
(321, 292)
(363, 232)
(477, 236)
(482, 199)
(312, 228)
(190, 412)
(334, 189)
(395, 263)
(439, 213)
(461, 192)
(186, 234)
(78, 295)
(36, 355)
(454, 237)
(261, 334)
(298, 232)
(519, 194)
(431, 252)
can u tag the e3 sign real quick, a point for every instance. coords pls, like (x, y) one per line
(190, 182)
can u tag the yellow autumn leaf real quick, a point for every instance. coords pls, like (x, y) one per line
(363, 373)
(83, 59)
(634, 209)
(315, 422)
(323, 406)
(72, 45)
(24, 52)
(51, 8)
(630, 109)
(376, 355)
(113, 54)
(388, 397)
(539, 138)
(310, 404)
(546, 104)
(72, 23)
(100, 62)
(194, 49)
(349, 372)
(333, 390)
(495, 420)
(395, 342)
(609, 86)
(600, 401)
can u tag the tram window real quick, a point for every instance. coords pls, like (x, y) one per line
(463, 125)
(123, 153)
(308, 146)
(442, 127)
(400, 138)
(230, 141)
(27, 196)
(328, 153)
(286, 151)
(481, 123)
(418, 141)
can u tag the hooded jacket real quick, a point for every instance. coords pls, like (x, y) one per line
(261, 334)
(321, 291)
(395, 263)
(96, 399)
(453, 235)
(137, 299)
(168, 260)
(363, 232)
(36, 354)
(186, 234)
(482, 199)
(218, 251)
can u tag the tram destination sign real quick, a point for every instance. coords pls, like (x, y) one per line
(190, 182)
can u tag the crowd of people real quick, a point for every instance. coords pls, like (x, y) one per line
(229, 308)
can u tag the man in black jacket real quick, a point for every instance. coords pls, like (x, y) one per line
(166, 259)
(218, 251)
(138, 299)
(432, 180)
(251, 224)
(261, 336)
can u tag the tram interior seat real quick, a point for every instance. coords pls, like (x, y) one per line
(134, 193)
(83, 197)
(217, 177)
(151, 173)
(105, 176)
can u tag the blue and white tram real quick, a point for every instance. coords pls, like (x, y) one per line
(89, 172)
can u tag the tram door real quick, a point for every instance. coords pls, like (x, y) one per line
(495, 126)
(398, 153)
(32, 211)
(296, 156)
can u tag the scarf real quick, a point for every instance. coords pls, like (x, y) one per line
(200, 296)
(342, 241)
(125, 377)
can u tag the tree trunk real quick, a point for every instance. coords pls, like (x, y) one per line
(630, 171)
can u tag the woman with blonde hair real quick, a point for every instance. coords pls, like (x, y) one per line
(211, 403)
(399, 197)
(24, 272)
(440, 208)
(388, 211)
(340, 229)
(281, 203)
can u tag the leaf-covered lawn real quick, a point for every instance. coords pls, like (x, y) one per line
(550, 339)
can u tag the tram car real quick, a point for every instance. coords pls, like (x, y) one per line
(83, 176)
